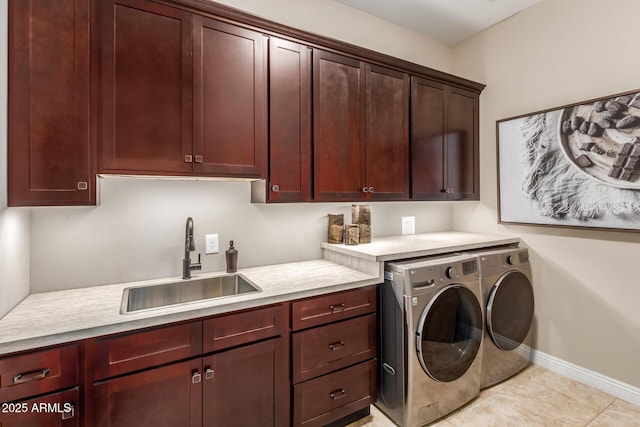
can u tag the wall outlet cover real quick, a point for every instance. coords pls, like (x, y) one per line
(211, 244)
(408, 225)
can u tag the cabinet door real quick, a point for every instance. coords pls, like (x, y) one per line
(427, 140)
(462, 144)
(229, 99)
(52, 410)
(338, 127)
(247, 386)
(290, 122)
(387, 133)
(49, 153)
(145, 93)
(168, 396)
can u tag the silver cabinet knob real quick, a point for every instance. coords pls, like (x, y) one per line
(208, 374)
(275, 188)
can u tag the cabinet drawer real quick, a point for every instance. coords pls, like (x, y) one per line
(330, 308)
(243, 327)
(331, 397)
(324, 349)
(61, 411)
(120, 354)
(38, 372)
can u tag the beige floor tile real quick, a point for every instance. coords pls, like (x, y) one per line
(619, 413)
(534, 397)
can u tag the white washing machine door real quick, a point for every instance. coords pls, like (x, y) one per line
(510, 310)
(449, 333)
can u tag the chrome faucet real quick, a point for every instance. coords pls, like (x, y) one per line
(189, 246)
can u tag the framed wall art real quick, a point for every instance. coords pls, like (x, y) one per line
(573, 166)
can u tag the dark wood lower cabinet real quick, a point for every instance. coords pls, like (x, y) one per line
(168, 396)
(166, 376)
(53, 410)
(247, 386)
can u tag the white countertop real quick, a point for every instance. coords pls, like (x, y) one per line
(62, 316)
(415, 245)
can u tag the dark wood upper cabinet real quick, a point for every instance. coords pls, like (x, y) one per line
(146, 83)
(193, 88)
(361, 137)
(444, 142)
(338, 127)
(462, 144)
(387, 133)
(181, 94)
(290, 122)
(50, 157)
(229, 99)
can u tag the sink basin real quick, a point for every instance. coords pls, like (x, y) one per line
(135, 299)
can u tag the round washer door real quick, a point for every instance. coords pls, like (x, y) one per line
(510, 310)
(449, 333)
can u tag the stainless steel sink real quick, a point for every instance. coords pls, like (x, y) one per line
(155, 296)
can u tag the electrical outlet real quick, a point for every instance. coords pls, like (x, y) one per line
(408, 225)
(211, 244)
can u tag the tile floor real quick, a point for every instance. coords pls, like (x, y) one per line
(534, 397)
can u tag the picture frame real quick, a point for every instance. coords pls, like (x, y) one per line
(577, 165)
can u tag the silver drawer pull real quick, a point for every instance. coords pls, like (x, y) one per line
(336, 345)
(338, 394)
(337, 308)
(31, 376)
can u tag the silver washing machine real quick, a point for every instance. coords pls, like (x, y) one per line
(431, 332)
(507, 292)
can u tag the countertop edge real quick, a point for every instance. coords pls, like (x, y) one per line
(164, 319)
(359, 251)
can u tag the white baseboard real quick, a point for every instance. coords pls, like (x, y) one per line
(582, 375)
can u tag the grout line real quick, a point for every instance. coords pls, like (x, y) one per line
(600, 413)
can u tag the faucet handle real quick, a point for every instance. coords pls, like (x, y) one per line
(197, 265)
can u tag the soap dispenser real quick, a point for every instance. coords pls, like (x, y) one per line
(232, 258)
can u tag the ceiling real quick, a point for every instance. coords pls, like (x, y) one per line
(449, 21)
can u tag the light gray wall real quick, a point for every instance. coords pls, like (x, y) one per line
(137, 231)
(14, 223)
(586, 282)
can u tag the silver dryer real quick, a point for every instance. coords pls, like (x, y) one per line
(507, 293)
